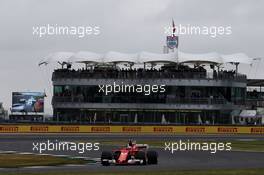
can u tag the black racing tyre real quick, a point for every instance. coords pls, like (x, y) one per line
(106, 155)
(141, 156)
(152, 157)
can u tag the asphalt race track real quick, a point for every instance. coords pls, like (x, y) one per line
(167, 161)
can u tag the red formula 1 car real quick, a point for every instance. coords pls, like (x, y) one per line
(133, 154)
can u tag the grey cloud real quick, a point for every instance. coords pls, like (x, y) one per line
(126, 26)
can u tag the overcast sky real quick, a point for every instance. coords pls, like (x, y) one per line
(125, 26)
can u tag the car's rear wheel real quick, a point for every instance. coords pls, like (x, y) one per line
(141, 156)
(105, 158)
(116, 155)
(152, 157)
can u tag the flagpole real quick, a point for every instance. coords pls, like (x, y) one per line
(176, 47)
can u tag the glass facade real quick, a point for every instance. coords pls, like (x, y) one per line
(191, 95)
(172, 94)
(111, 116)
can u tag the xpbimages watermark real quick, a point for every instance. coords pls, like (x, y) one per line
(212, 147)
(146, 89)
(80, 147)
(188, 29)
(78, 31)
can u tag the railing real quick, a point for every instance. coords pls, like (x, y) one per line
(80, 122)
(124, 99)
(147, 75)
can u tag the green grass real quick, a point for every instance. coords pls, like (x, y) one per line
(18, 160)
(187, 172)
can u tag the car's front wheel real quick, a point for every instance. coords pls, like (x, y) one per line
(152, 157)
(141, 156)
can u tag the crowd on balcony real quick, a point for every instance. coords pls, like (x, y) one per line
(179, 72)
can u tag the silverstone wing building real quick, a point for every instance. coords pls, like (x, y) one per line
(197, 89)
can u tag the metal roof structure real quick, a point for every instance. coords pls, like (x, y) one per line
(145, 57)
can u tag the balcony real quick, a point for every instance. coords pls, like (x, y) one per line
(153, 74)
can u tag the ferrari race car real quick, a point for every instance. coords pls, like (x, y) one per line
(133, 154)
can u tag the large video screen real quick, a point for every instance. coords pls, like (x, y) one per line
(28, 102)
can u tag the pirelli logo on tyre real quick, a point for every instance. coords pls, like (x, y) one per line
(162, 129)
(131, 129)
(257, 130)
(227, 130)
(39, 129)
(70, 129)
(8, 129)
(195, 129)
(100, 129)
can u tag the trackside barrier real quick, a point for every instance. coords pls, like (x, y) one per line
(132, 129)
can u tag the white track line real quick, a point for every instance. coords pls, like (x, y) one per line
(37, 167)
(9, 152)
(60, 155)
(26, 153)
(73, 165)
(54, 155)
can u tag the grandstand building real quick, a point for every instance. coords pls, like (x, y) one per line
(185, 88)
